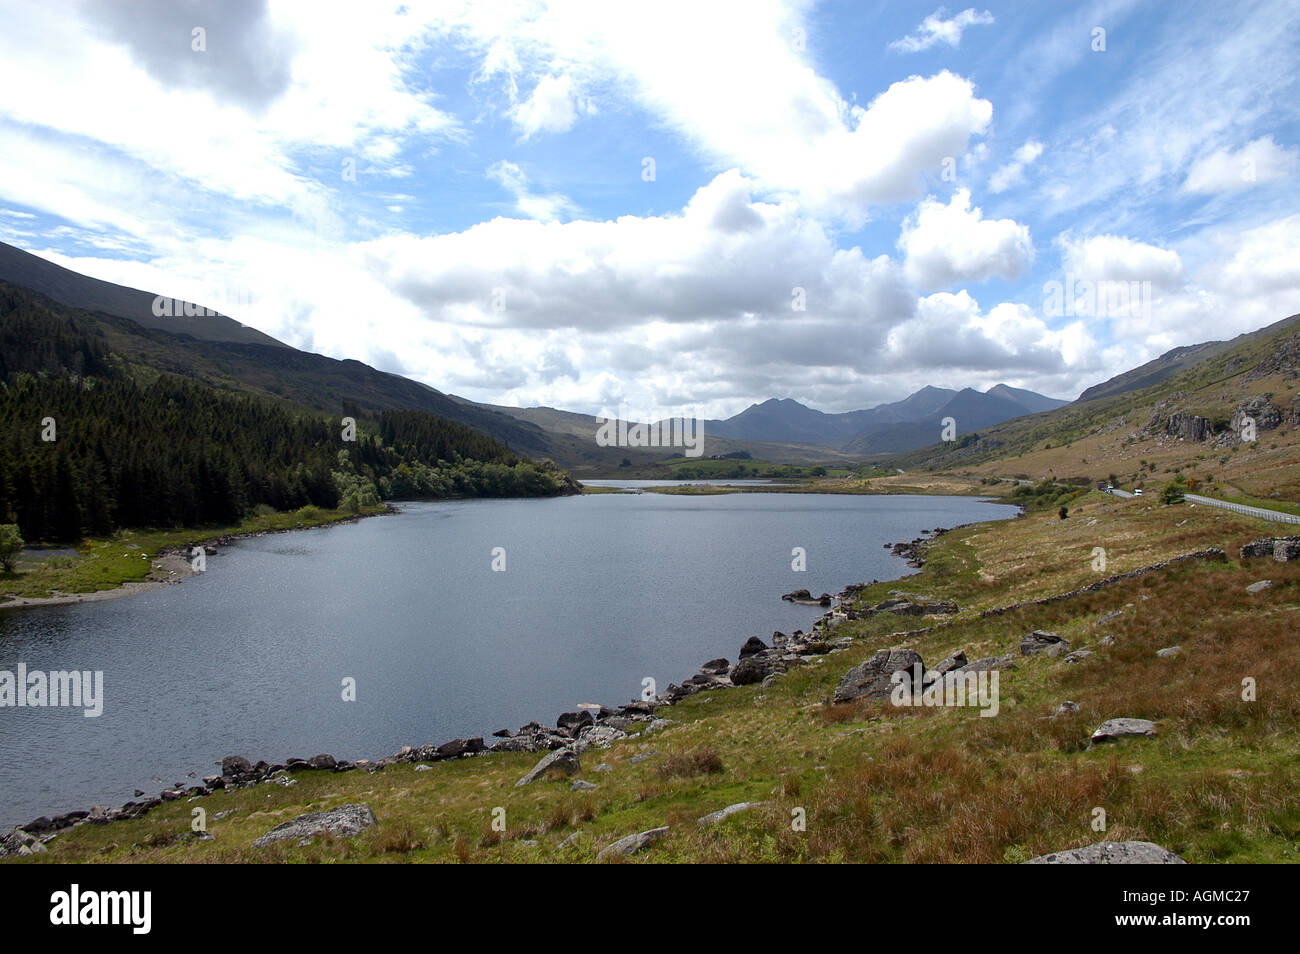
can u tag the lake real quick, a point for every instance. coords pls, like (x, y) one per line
(597, 593)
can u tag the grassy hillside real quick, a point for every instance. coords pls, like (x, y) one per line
(879, 783)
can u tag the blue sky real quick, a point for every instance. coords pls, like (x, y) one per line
(459, 192)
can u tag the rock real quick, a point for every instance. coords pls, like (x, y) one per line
(1169, 651)
(752, 669)
(424, 767)
(21, 843)
(572, 722)
(1113, 729)
(1107, 617)
(658, 725)
(1078, 656)
(797, 595)
(323, 762)
(1111, 853)
(460, 747)
(233, 766)
(1261, 410)
(631, 844)
(641, 757)
(503, 734)
(603, 767)
(753, 646)
(1259, 586)
(872, 679)
(715, 667)
(953, 662)
(564, 761)
(346, 821)
(579, 785)
(601, 736)
(1188, 427)
(1107, 640)
(1286, 549)
(991, 662)
(1042, 641)
(1257, 548)
(712, 818)
(1067, 708)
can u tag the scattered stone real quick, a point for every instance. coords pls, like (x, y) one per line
(712, 818)
(345, 821)
(1107, 640)
(561, 760)
(636, 759)
(1078, 656)
(603, 767)
(1113, 729)
(1259, 586)
(580, 785)
(873, 678)
(424, 767)
(1067, 708)
(1111, 853)
(1169, 651)
(1042, 641)
(631, 844)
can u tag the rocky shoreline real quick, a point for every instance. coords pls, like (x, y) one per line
(574, 732)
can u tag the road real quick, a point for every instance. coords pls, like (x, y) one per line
(1260, 512)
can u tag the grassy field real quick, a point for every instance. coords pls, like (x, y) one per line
(130, 556)
(877, 783)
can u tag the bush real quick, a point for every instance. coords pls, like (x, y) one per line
(11, 544)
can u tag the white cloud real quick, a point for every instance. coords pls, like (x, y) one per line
(934, 29)
(1261, 160)
(546, 208)
(1117, 258)
(553, 107)
(1013, 172)
(948, 244)
(752, 101)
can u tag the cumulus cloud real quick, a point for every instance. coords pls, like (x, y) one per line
(1120, 259)
(934, 30)
(1261, 160)
(948, 244)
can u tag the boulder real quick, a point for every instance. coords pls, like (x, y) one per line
(631, 844)
(712, 818)
(1078, 656)
(564, 761)
(752, 669)
(1113, 729)
(1111, 853)
(989, 663)
(323, 762)
(600, 736)
(753, 646)
(233, 766)
(21, 843)
(953, 662)
(872, 679)
(715, 667)
(459, 747)
(346, 821)
(1169, 651)
(1067, 708)
(1259, 586)
(1286, 549)
(1042, 641)
(579, 785)
(572, 722)
(797, 595)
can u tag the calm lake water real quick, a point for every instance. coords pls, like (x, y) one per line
(598, 592)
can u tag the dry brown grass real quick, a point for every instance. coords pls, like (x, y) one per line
(701, 761)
